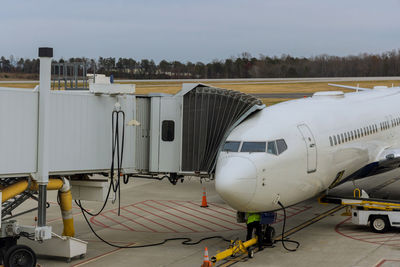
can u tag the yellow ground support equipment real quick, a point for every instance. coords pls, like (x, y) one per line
(237, 247)
(379, 214)
(54, 184)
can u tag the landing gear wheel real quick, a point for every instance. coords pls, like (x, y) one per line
(250, 252)
(379, 224)
(20, 256)
(269, 235)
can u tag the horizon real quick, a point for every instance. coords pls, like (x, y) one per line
(198, 31)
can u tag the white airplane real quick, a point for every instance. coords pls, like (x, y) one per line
(297, 149)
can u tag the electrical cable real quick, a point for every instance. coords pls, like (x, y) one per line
(283, 240)
(115, 147)
(185, 240)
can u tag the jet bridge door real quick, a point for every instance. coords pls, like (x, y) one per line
(310, 147)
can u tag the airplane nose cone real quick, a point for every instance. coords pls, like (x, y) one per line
(235, 181)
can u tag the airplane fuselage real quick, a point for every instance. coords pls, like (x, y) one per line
(329, 138)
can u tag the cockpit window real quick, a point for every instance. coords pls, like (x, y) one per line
(272, 148)
(281, 145)
(253, 147)
(231, 146)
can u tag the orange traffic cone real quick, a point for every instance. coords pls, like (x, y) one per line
(204, 199)
(206, 262)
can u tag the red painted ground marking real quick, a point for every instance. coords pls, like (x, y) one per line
(129, 219)
(166, 219)
(159, 209)
(179, 217)
(379, 264)
(150, 220)
(190, 202)
(117, 222)
(214, 223)
(368, 238)
(95, 222)
(231, 210)
(208, 214)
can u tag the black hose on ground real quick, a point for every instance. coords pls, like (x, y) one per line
(283, 240)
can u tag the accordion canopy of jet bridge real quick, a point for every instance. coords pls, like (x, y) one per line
(209, 114)
(183, 133)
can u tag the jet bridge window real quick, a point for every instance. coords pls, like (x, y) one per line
(168, 131)
(231, 146)
(253, 147)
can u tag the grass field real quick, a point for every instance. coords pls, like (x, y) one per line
(172, 87)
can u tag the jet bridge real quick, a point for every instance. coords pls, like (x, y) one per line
(183, 133)
(60, 139)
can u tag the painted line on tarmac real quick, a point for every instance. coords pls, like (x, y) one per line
(98, 257)
(383, 261)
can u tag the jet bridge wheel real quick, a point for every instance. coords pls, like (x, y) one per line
(20, 256)
(379, 224)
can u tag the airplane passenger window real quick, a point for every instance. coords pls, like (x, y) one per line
(342, 138)
(271, 149)
(281, 145)
(358, 133)
(338, 138)
(231, 146)
(345, 137)
(330, 141)
(352, 136)
(334, 140)
(253, 147)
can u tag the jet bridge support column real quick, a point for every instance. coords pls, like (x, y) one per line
(42, 177)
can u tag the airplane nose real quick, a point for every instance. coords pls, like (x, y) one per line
(235, 181)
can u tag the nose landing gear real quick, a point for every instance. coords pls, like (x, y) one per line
(268, 233)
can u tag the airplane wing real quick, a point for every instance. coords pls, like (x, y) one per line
(350, 87)
(387, 160)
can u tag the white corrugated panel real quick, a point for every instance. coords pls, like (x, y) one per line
(18, 131)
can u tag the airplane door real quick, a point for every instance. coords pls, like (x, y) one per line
(310, 146)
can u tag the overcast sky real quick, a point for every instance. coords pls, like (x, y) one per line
(198, 30)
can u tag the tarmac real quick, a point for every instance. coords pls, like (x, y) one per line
(152, 211)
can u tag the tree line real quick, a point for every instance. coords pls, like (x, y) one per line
(243, 66)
